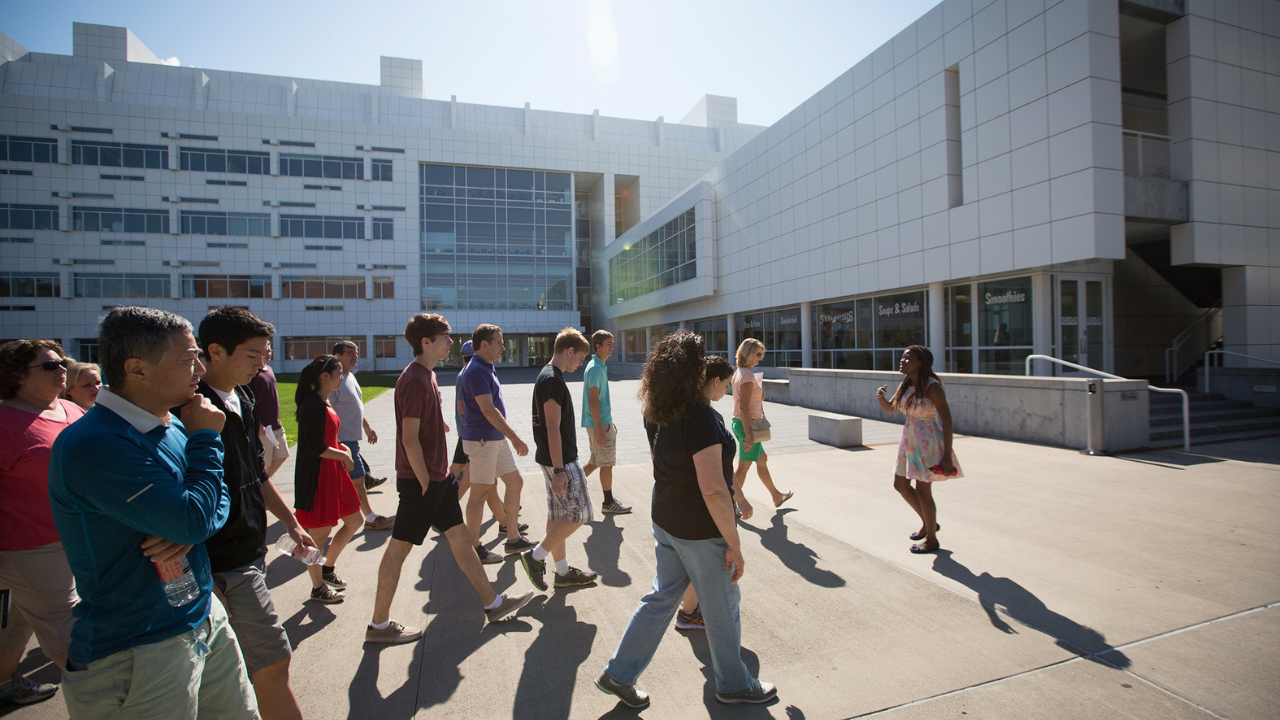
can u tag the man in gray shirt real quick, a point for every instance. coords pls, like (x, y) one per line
(348, 403)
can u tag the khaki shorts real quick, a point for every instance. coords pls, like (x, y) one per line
(43, 593)
(244, 594)
(275, 446)
(606, 455)
(490, 460)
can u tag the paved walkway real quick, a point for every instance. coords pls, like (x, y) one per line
(1139, 586)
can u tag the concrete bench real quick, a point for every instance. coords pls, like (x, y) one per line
(778, 391)
(835, 430)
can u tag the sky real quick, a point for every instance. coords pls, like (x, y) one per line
(636, 59)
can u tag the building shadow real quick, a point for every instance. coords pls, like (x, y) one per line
(795, 556)
(550, 669)
(603, 548)
(1000, 593)
(308, 621)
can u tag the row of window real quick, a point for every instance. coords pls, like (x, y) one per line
(334, 288)
(221, 223)
(134, 220)
(28, 149)
(126, 285)
(120, 220)
(28, 217)
(119, 155)
(335, 168)
(30, 285)
(324, 226)
(660, 259)
(232, 161)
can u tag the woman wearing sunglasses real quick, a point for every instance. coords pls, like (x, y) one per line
(323, 493)
(32, 564)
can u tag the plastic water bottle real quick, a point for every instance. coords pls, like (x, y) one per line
(310, 556)
(180, 586)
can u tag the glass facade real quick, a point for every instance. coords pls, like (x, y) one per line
(30, 284)
(231, 161)
(119, 155)
(660, 259)
(868, 333)
(117, 220)
(715, 336)
(1004, 325)
(28, 217)
(312, 347)
(334, 168)
(226, 286)
(121, 286)
(496, 239)
(779, 330)
(28, 149)
(221, 223)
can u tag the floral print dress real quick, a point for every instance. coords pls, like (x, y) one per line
(921, 444)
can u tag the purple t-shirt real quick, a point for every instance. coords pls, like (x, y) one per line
(480, 379)
(263, 386)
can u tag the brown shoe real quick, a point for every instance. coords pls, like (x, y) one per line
(380, 522)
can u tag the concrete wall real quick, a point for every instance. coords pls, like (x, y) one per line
(1244, 384)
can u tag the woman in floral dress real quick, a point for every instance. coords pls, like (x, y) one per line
(924, 453)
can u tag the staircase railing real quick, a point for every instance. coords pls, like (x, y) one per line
(1228, 352)
(1186, 399)
(1173, 368)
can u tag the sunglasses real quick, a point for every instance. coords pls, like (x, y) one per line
(52, 365)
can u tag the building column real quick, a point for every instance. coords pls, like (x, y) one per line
(1042, 322)
(733, 336)
(937, 326)
(648, 340)
(806, 334)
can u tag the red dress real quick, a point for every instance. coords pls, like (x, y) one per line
(336, 496)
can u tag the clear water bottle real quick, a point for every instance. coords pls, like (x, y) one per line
(180, 586)
(310, 556)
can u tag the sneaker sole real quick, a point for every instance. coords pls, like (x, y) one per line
(538, 583)
(491, 559)
(327, 601)
(396, 640)
(575, 584)
(615, 512)
(690, 626)
(747, 701)
(607, 691)
(512, 551)
(514, 609)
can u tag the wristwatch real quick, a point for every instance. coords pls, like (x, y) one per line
(556, 471)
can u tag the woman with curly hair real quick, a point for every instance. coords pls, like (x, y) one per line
(697, 540)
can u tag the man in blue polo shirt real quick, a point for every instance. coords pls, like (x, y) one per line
(146, 512)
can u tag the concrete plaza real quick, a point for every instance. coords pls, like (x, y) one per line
(1141, 585)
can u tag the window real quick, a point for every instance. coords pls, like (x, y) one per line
(322, 287)
(310, 347)
(384, 288)
(384, 346)
(27, 149)
(322, 166)
(1005, 322)
(231, 161)
(715, 336)
(30, 285)
(121, 286)
(322, 226)
(226, 286)
(116, 220)
(868, 333)
(119, 155)
(382, 170)
(383, 229)
(661, 259)
(87, 350)
(28, 217)
(220, 223)
(779, 331)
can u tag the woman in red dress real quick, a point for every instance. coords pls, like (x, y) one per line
(323, 493)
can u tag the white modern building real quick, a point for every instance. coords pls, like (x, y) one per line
(1089, 179)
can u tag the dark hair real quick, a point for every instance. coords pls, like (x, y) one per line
(15, 356)
(568, 339)
(135, 332)
(483, 333)
(718, 368)
(342, 346)
(671, 383)
(423, 326)
(309, 378)
(598, 338)
(920, 381)
(229, 326)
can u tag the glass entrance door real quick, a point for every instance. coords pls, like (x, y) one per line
(1081, 327)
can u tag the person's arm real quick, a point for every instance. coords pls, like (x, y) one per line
(369, 434)
(278, 507)
(500, 423)
(413, 450)
(746, 389)
(593, 401)
(716, 494)
(938, 396)
(880, 397)
(551, 420)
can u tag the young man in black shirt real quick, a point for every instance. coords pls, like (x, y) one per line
(555, 433)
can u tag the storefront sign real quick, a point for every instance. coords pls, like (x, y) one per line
(910, 309)
(841, 317)
(1009, 296)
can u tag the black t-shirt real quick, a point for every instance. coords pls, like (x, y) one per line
(550, 386)
(678, 504)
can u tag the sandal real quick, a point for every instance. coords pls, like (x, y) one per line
(785, 498)
(918, 536)
(922, 549)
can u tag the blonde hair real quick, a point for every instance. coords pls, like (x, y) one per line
(749, 347)
(569, 339)
(73, 374)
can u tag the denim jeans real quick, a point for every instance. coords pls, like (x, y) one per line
(358, 469)
(679, 563)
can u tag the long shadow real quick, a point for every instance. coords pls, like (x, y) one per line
(702, 651)
(795, 556)
(366, 701)
(550, 669)
(317, 618)
(1023, 606)
(602, 547)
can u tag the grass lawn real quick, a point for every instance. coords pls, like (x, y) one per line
(371, 385)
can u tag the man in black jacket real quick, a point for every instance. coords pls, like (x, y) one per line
(234, 342)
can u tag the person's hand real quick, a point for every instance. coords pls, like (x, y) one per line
(160, 550)
(744, 507)
(948, 467)
(521, 448)
(560, 484)
(302, 538)
(348, 462)
(733, 561)
(446, 426)
(200, 414)
(373, 436)
(880, 393)
(601, 436)
(746, 432)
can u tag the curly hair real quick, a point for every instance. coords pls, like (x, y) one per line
(671, 383)
(15, 356)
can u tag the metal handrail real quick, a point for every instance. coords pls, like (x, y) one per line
(1171, 369)
(1186, 399)
(1140, 137)
(1228, 352)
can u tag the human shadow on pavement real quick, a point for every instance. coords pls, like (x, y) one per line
(602, 547)
(366, 701)
(1023, 606)
(550, 669)
(794, 556)
(317, 618)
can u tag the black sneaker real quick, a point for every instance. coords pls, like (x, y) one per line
(575, 578)
(758, 694)
(325, 594)
(518, 545)
(487, 557)
(615, 508)
(371, 482)
(331, 578)
(535, 569)
(522, 527)
(628, 694)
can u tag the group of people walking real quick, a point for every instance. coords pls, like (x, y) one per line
(130, 507)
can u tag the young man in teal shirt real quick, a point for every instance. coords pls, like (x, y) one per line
(597, 418)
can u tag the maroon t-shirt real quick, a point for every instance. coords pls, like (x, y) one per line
(418, 396)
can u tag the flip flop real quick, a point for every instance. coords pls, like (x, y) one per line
(784, 498)
(919, 549)
(918, 536)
